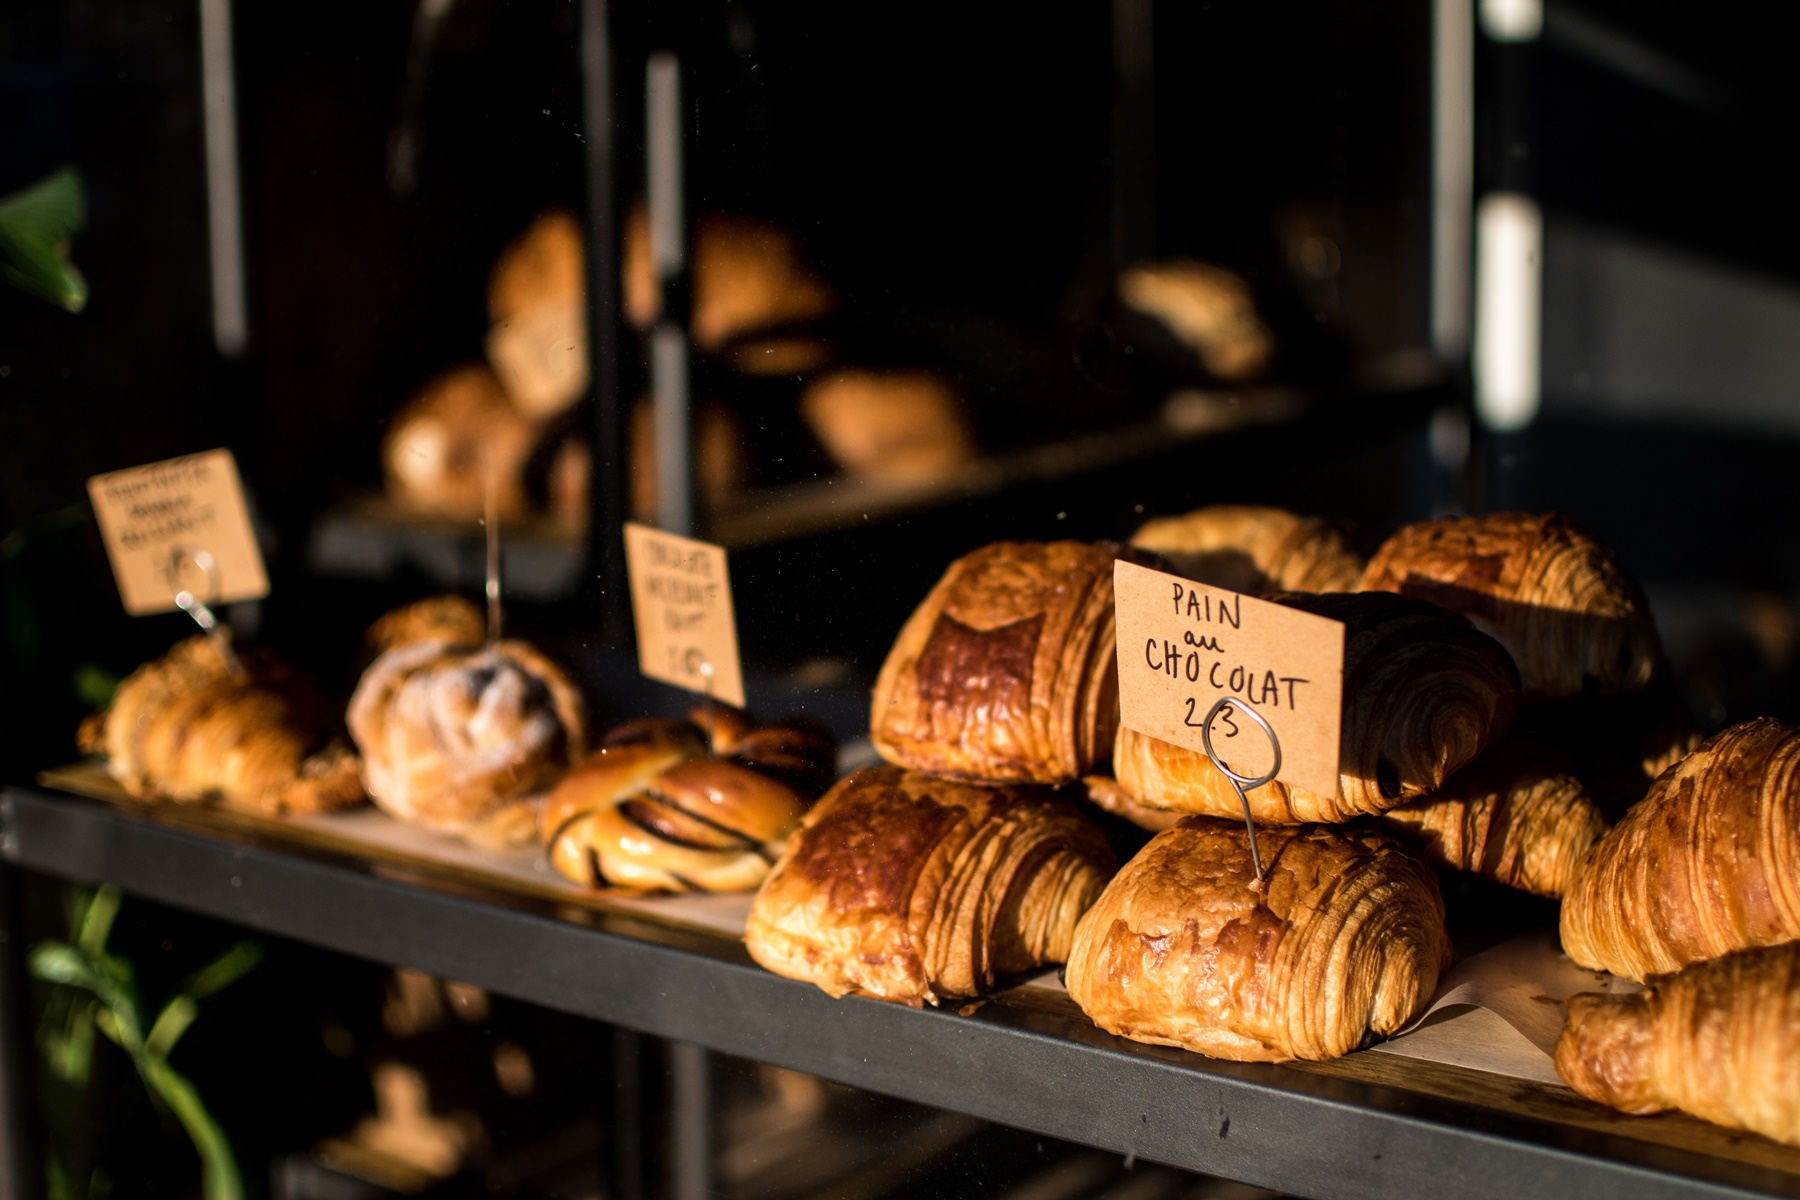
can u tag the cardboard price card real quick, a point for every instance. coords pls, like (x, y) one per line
(681, 605)
(1184, 645)
(165, 522)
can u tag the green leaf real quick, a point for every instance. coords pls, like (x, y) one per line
(35, 227)
(57, 962)
(170, 1024)
(219, 1179)
(94, 685)
(224, 970)
(96, 920)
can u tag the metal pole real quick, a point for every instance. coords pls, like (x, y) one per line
(690, 1069)
(1134, 131)
(225, 232)
(668, 339)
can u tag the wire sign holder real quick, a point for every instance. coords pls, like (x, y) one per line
(198, 608)
(1242, 784)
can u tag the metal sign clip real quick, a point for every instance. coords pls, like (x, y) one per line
(1242, 784)
(197, 608)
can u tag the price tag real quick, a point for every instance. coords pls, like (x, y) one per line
(179, 526)
(1184, 645)
(681, 605)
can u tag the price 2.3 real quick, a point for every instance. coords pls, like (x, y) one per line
(1193, 720)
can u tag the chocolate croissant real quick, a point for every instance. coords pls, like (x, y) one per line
(1424, 693)
(187, 728)
(464, 740)
(652, 809)
(1254, 550)
(1514, 816)
(1006, 672)
(1344, 939)
(1560, 602)
(1719, 1039)
(914, 889)
(1707, 863)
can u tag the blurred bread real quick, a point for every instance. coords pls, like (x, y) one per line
(894, 426)
(433, 453)
(1208, 308)
(537, 341)
(721, 462)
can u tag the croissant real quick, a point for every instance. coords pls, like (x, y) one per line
(1254, 550)
(913, 889)
(1707, 863)
(463, 740)
(1105, 794)
(650, 809)
(186, 728)
(1424, 693)
(1344, 939)
(1006, 672)
(1560, 602)
(1513, 816)
(1719, 1039)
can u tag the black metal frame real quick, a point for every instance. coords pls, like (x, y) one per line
(1049, 1073)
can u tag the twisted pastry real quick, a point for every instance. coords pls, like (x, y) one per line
(1707, 863)
(1719, 1039)
(1006, 671)
(1344, 939)
(184, 728)
(463, 740)
(1560, 602)
(909, 888)
(1254, 550)
(1513, 816)
(1424, 693)
(650, 809)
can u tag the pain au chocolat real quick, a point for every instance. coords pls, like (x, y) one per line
(1006, 672)
(1560, 602)
(1254, 550)
(664, 806)
(1719, 1039)
(1424, 693)
(1344, 939)
(915, 889)
(1707, 863)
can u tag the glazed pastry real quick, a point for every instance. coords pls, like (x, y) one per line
(1560, 602)
(537, 342)
(434, 451)
(1424, 693)
(464, 740)
(1104, 793)
(1208, 308)
(914, 889)
(1720, 1039)
(1707, 863)
(892, 426)
(186, 728)
(1006, 672)
(1514, 816)
(1254, 550)
(1344, 939)
(650, 809)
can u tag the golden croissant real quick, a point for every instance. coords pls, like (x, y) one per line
(914, 889)
(1560, 602)
(1424, 693)
(1719, 1039)
(1006, 672)
(464, 740)
(1707, 863)
(1345, 939)
(1514, 815)
(1254, 550)
(660, 806)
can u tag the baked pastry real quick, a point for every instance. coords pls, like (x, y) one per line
(435, 451)
(1424, 693)
(1560, 602)
(1208, 308)
(651, 808)
(1707, 863)
(892, 426)
(1344, 940)
(1514, 816)
(537, 341)
(187, 728)
(465, 740)
(449, 619)
(1006, 671)
(1254, 550)
(914, 889)
(1104, 793)
(1719, 1039)
(748, 275)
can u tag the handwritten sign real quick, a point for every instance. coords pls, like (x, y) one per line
(179, 525)
(681, 605)
(1183, 645)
